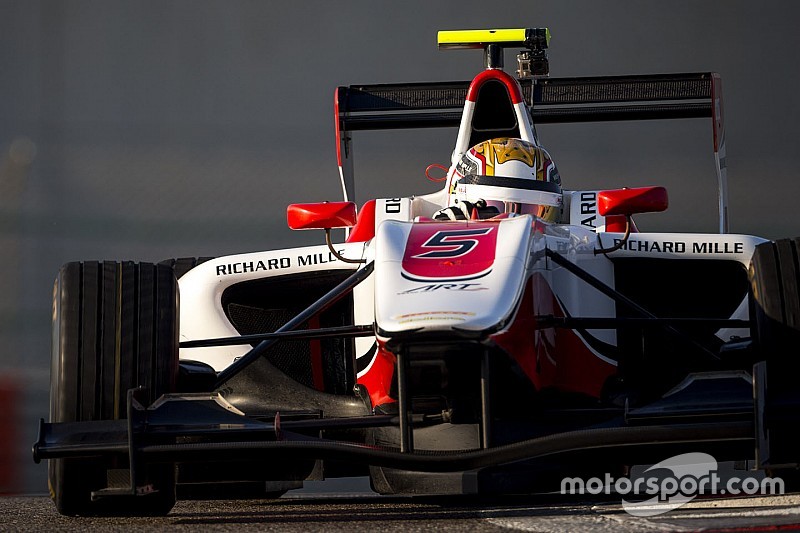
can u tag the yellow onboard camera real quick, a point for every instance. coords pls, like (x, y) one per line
(532, 61)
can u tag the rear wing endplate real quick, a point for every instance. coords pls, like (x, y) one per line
(551, 100)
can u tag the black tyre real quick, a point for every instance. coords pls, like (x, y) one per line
(774, 277)
(115, 327)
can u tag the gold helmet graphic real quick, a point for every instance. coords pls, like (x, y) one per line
(513, 175)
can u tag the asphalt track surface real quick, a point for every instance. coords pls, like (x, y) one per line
(336, 511)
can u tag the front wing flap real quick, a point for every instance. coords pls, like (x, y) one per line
(203, 427)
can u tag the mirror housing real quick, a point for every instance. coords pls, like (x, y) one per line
(322, 215)
(628, 202)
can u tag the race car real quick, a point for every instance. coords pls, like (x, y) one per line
(492, 337)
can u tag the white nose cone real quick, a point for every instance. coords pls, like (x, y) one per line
(449, 276)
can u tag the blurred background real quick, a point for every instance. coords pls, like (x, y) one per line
(159, 129)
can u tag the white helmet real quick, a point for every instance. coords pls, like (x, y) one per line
(512, 175)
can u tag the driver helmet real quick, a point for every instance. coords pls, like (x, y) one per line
(511, 175)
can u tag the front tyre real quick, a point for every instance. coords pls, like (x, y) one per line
(115, 327)
(774, 277)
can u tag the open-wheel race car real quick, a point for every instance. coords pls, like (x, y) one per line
(492, 337)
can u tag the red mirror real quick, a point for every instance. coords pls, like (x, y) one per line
(632, 201)
(324, 215)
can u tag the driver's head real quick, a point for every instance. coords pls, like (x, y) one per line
(513, 175)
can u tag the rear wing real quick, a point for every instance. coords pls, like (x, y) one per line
(550, 100)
